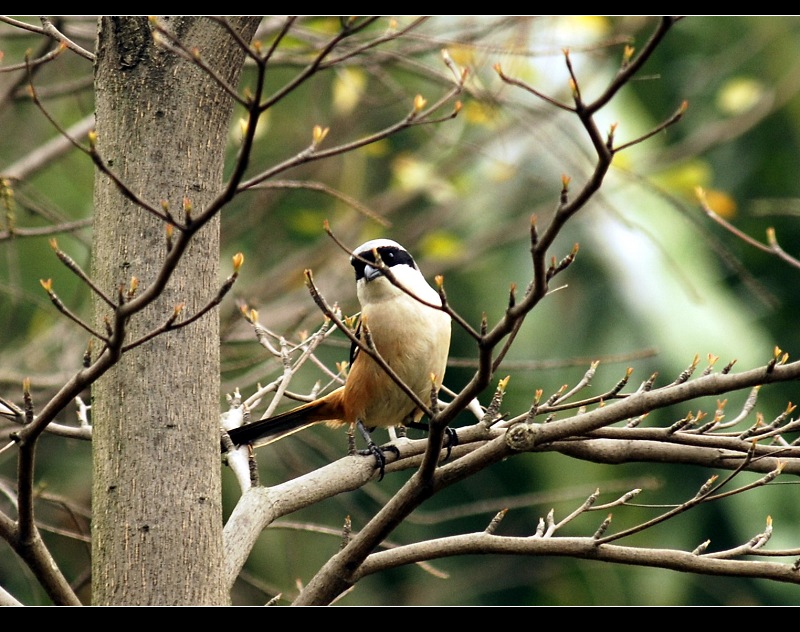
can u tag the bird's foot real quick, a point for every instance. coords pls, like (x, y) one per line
(450, 436)
(374, 450)
(380, 458)
(451, 440)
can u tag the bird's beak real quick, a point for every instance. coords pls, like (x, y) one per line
(371, 272)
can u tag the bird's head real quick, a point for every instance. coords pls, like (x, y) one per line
(371, 282)
(391, 254)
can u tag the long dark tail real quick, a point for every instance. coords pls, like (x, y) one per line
(274, 428)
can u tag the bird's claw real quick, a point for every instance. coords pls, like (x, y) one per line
(450, 435)
(452, 441)
(380, 459)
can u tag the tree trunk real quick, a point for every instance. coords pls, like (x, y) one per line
(162, 126)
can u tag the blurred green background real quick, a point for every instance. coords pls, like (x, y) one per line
(655, 281)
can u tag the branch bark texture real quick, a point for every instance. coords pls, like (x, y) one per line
(162, 125)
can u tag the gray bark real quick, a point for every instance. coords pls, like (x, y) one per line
(162, 125)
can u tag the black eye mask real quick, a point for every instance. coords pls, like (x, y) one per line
(390, 255)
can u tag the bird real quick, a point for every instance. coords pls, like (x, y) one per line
(407, 327)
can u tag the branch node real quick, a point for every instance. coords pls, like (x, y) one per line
(521, 437)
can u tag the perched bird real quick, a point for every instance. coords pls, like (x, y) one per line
(411, 336)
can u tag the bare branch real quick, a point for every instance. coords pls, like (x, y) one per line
(50, 30)
(772, 247)
(320, 186)
(582, 548)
